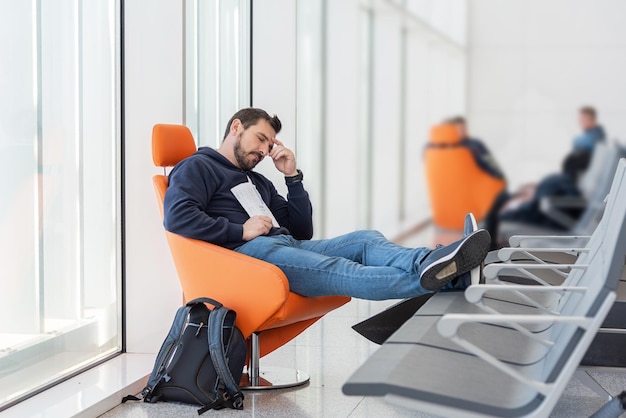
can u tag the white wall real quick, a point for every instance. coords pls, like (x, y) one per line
(154, 94)
(531, 64)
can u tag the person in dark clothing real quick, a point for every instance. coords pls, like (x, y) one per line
(564, 183)
(487, 162)
(483, 157)
(593, 132)
(554, 185)
(577, 161)
(200, 204)
(215, 196)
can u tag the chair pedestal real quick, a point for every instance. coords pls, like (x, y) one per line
(270, 377)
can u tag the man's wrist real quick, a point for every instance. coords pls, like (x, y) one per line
(294, 178)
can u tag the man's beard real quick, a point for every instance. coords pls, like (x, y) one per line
(242, 157)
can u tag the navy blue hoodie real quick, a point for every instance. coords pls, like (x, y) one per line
(200, 205)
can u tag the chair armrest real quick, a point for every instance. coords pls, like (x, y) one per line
(492, 270)
(505, 254)
(449, 324)
(256, 290)
(492, 257)
(475, 294)
(553, 208)
(574, 240)
(565, 202)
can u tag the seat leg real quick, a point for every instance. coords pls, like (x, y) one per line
(255, 354)
(254, 378)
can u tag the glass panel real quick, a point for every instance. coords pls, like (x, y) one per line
(217, 59)
(366, 78)
(59, 136)
(402, 122)
(18, 164)
(310, 123)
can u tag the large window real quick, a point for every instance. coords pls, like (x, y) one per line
(310, 101)
(372, 78)
(217, 65)
(59, 206)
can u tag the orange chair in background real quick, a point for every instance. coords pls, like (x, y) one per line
(268, 314)
(456, 184)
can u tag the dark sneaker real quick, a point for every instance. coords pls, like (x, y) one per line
(442, 265)
(470, 224)
(476, 274)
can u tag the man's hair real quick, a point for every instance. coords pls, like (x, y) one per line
(455, 120)
(589, 111)
(250, 116)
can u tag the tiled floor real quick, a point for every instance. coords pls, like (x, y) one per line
(330, 351)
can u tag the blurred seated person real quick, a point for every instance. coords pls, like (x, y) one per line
(523, 205)
(577, 161)
(483, 157)
(486, 161)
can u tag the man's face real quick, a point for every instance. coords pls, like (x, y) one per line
(253, 144)
(586, 121)
(462, 130)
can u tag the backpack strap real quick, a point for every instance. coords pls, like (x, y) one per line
(204, 300)
(157, 373)
(218, 354)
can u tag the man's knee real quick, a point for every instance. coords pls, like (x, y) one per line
(371, 235)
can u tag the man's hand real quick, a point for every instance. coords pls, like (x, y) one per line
(256, 226)
(283, 158)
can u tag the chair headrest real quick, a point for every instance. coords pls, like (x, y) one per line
(444, 134)
(171, 144)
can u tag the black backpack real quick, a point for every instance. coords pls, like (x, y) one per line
(200, 361)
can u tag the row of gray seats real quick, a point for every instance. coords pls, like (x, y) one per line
(606, 347)
(593, 185)
(501, 349)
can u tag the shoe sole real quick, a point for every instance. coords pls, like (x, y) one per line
(468, 255)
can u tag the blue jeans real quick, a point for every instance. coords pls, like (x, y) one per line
(362, 264)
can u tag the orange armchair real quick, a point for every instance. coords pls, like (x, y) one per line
(456, 184)
(267, 312)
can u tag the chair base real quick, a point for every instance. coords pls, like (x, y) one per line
(274, 378)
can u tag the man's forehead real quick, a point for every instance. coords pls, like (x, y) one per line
(264, 127)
